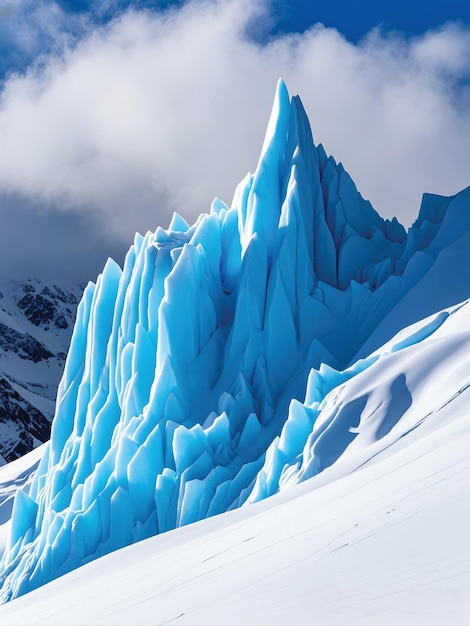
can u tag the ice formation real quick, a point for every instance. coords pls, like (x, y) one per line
(196, 374)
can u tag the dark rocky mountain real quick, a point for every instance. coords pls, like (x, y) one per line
(36, 323)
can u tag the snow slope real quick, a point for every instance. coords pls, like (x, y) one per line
(218, 367)
(385, 544)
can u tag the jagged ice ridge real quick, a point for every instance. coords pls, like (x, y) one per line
(198, 375)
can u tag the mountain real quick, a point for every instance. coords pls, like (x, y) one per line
(288, 337)
(36, 322)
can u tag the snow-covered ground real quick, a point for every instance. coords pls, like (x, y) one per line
(387, 544)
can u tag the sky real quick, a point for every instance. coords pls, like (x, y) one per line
(114, 114)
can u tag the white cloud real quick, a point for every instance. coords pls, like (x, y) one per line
(29, 28)
(155, 113)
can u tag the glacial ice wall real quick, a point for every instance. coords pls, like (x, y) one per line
(186, 366)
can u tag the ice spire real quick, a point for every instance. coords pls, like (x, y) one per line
(183, 365)
(261, 214)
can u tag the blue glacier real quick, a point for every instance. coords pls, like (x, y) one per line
(196, 376)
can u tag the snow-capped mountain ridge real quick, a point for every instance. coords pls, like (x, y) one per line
(189, 387)
(36, 321)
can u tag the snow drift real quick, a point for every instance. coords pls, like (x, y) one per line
(219, 365)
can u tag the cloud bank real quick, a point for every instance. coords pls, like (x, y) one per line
(156, 112)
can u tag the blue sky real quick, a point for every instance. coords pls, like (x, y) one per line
(352, 18)
(355, 18)
(113, 113)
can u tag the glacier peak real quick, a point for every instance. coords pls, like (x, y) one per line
(195, 372)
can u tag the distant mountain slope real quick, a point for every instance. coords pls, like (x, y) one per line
(215, 369)
(36, 323)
